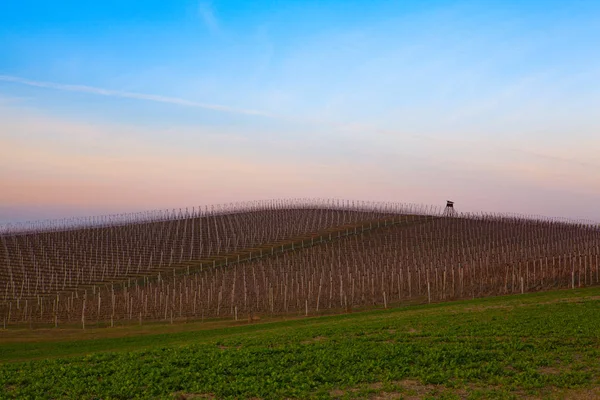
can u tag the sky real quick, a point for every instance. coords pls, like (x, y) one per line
(124, 106)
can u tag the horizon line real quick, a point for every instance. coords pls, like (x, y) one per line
(125, 218)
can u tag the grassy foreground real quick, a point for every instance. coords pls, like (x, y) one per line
(542, 345)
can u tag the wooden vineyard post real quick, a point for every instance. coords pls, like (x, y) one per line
(444, 284)
(56, 313)
(195, 301)
(579, 285)
(384, 300)
(461, 274)
(428, 291)
(319, 293)
(83, 313)
(285, 304)
(28, 315)
(572, 274)
(522, 287)
(112, 315)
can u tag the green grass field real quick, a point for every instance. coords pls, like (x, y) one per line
(541, 345)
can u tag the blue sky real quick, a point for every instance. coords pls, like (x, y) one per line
(126, 106)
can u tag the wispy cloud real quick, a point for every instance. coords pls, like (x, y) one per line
(4, 101)
(207, 14)
(130, 95)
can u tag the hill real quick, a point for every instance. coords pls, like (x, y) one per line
(270, 258)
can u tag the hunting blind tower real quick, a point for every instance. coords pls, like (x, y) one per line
(449, 210)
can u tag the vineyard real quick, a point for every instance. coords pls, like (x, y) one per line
(302, 257)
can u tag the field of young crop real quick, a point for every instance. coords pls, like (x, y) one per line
(535, 345)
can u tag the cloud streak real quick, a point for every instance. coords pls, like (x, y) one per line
(208, 17)
(130, 95)
(346, 128)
